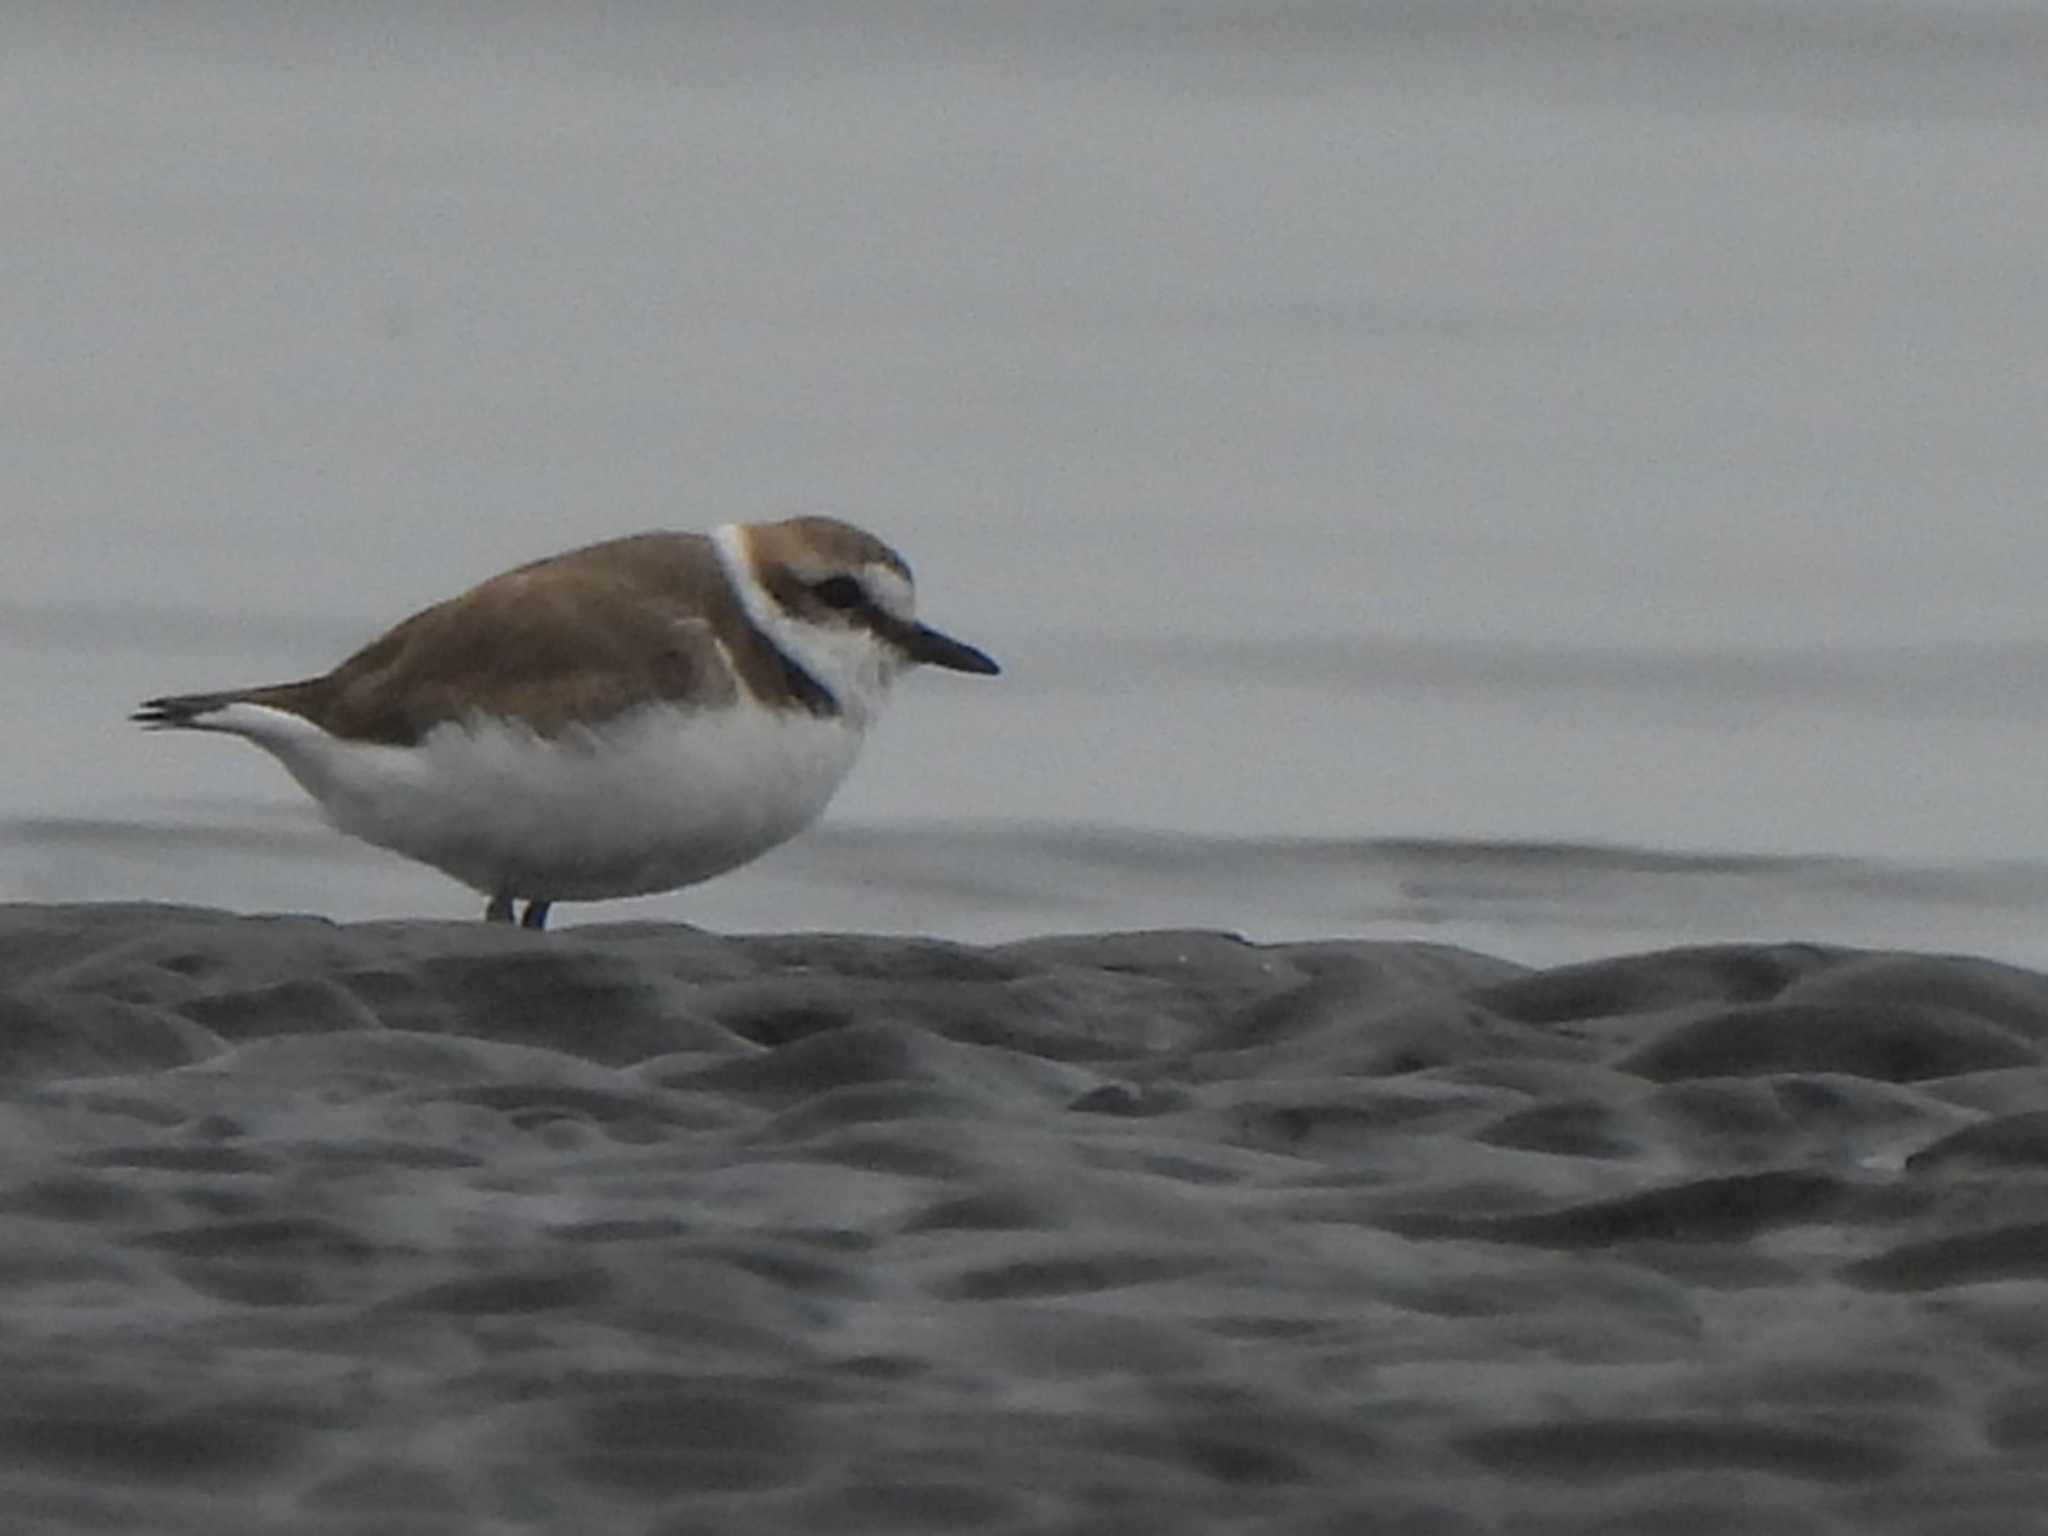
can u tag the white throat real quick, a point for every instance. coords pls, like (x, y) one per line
(853, 665)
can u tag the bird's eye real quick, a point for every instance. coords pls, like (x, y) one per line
(838, 592)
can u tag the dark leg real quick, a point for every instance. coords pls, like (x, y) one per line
(500, 909)
(536, 914)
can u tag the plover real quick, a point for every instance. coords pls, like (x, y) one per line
(630, 717)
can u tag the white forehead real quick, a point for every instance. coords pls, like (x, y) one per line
(891, 591)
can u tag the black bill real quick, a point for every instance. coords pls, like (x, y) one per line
(921, 642)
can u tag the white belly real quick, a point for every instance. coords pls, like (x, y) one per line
(656, 799)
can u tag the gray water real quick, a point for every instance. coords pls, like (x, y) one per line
(1548, 477)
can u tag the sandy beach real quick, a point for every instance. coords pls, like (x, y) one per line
(424, 1227)
(1556, 481)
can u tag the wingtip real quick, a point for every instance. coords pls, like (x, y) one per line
(172, 711)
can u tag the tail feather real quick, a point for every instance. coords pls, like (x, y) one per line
(184, 711)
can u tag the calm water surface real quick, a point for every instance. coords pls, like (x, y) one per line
(1544, 478)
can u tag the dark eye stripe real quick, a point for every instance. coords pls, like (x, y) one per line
(839, 592)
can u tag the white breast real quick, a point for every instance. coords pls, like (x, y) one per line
(659, 798)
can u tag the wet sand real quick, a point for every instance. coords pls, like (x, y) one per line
(422, 1227)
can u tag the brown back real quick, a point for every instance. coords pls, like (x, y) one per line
(575, 638)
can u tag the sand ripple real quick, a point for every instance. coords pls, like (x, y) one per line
(434, 1227)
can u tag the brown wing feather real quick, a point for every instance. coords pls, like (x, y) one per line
(578, 637)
